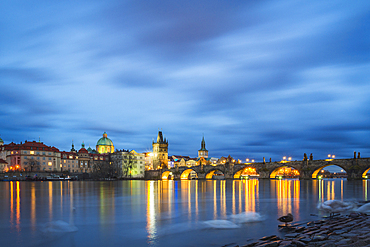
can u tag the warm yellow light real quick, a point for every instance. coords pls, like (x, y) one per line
(49, 164)
(32, 152)
(247, 160)
(252, 160)
(333, 156)
(17, 166)
(284, 158)
(329, 155)
(290, 158)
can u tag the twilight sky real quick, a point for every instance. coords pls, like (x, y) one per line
(257, 78)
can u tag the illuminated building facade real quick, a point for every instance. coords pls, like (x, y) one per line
(81, 161)
(104, 145)
(21, 156)
(160, 152)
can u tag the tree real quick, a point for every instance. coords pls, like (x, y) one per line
(103, 169)
(33, 165)
(127, 164)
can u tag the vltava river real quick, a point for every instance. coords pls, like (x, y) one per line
(159, 213)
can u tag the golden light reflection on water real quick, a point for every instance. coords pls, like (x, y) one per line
(18, 209)
(364, 185)
(287, 193)
(251, 194)
(33, 207)
(150, 212)
(50, 184)
(11, 204)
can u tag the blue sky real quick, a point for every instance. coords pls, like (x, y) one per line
(257, 78)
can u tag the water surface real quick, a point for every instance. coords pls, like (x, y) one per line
(159, 213)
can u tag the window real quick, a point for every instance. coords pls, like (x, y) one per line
(37, 153)
(49, 153)
(64, 161)
(49, 158)
(25, 163)
(32, 152)
(43, 158)
(49, 164)
(25, 157)
(43, 163)
(71, 157)
(73, 165)
(43, 153)
(38, 158)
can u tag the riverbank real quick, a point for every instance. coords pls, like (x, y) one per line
(351, 230)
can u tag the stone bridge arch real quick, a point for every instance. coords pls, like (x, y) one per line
(167, 175)
(316, 171)
(210, 173)
(241, 170)
(275, 171)
(365, 172)
(185, 174)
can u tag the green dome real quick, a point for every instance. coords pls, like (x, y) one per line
(104, 141)
(1, 140)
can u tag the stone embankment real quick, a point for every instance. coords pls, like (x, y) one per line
(352, 230)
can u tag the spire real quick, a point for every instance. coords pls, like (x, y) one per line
(203, 145)
(73, 147)
(83, 144)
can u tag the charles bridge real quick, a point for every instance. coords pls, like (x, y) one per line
(356, 168)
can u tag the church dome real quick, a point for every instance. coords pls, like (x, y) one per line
(1, 141)
(104, 141)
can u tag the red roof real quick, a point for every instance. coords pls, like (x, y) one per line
(83, 150)
(3, 161)
(30, 146)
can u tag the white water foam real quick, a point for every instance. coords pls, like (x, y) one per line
(59, 226)
(247, 217)
(364, 208)
(335, 206)
(220, 224)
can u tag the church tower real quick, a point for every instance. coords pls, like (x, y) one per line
(203, 152)
(160, 152)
